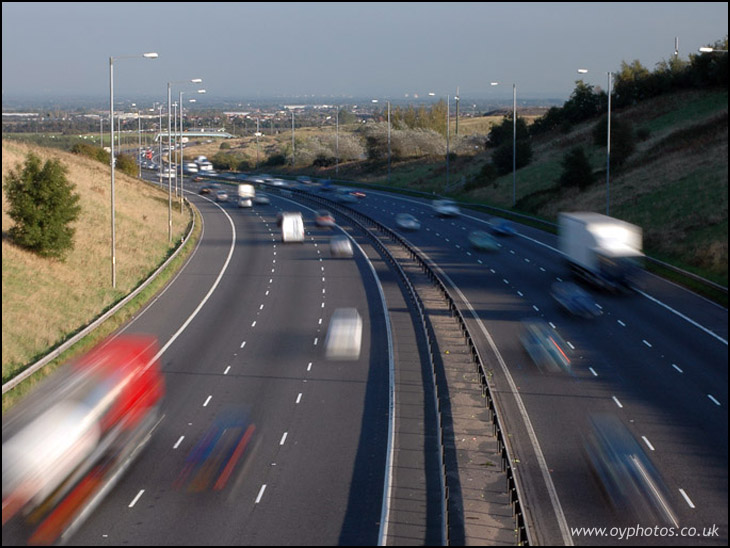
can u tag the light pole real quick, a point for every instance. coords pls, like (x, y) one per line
(608, 142)
(150, 55)
(182, 156)
(514, 145)
(388, 102)
(169, 150)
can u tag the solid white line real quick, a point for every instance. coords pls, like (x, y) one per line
(261, 493)
(134, 501)
(686, 318)
(218, 279)
(540, 456)
(686, 497)
(648, 443)
(178, 442)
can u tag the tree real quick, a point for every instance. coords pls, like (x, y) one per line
(43, 205)
(623, 142)
(577, 170)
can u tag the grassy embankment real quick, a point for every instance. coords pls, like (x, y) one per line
(44, 300)
(675, 185)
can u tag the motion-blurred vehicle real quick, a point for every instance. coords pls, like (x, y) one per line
(69, 441)
(575, 300)
(221, 196)
(628, 478)
(324, 219)
(503, 227)
(345, 196)
(209, 189)
(446, 208)
(547, 349)
(244, 202)
(603, 250)
(344, 335)
(261, 199)
(292, 227)
(190, 168)
(220, 454)
(406, 221)
(341, 246)
(483, 241)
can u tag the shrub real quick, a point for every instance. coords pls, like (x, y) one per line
(43, 205)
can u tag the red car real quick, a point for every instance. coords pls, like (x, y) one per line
(65, 444)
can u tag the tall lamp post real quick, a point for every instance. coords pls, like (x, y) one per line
(182, 158)
(169, 150)
(150, 55)
(608, 142)
(388, 102)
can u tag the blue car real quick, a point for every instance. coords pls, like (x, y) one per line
(575, 300)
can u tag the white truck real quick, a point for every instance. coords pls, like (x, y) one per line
(604, 250)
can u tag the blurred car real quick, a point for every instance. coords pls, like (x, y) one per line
(261, 199)
(575, 300)
(221, 196)
(324, 219)
(244, 202)
(446, 208)
(630, 481)
(503, 227)
(359, 194)
(292, 227)
(406, 221)
(341, 246)
(208, 189)
(67, 443)
(547, 349)
(220, 453)
(344, 335)
(483, 241)
(345, 196)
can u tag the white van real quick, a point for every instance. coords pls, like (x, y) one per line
(292, 227)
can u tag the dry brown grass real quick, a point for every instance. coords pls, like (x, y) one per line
(45, 300)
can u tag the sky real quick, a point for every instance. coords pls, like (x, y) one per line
(379, 50)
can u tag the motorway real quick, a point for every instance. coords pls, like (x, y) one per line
(315, 472)
(243, 326)
(657, 360)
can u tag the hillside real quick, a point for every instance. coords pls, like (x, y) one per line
(675, 185)
(45, 300)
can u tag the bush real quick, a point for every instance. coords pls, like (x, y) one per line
(577, 170)
(43, 205)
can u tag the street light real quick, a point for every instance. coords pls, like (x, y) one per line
(608, 142)
(150, 55)
(182, 157)
(375, 101)
(712, 50)
(169, 150)
(514, 141)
